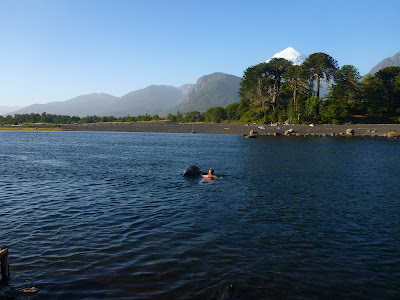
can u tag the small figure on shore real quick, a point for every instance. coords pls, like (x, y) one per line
(210, 174)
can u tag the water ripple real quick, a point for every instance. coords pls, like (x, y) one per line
(109, 215)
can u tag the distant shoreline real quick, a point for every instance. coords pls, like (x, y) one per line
(228, 128)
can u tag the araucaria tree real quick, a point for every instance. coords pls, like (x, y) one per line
(320, 66)
(251, 86)
(261, 86)
(274, 70)
(346, 87)
(391, 98)
(381, 93)
(344, 98)
(279, 91)
(296, 82)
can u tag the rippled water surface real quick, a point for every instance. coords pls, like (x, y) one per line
(109, 215)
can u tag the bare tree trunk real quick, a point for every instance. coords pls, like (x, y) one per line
(274, 96)
(318, 86)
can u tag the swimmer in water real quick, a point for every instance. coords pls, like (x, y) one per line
(210, 174)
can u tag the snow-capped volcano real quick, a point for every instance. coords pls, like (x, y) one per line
(290, 54)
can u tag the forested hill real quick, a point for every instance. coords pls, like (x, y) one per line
(217, 89)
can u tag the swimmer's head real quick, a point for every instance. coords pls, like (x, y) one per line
(211, 171)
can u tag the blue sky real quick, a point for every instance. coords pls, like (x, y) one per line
(55, 50)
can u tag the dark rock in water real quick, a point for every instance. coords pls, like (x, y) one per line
(193, 171)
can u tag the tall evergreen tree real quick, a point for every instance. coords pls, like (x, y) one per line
(296, 81)
(251, 86)
(372, 95)
(346, 89)
(274, 70)
(320, 66)
(391, 100)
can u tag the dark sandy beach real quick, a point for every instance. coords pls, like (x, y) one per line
(242, 129)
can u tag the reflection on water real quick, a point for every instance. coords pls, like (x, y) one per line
(109, 215)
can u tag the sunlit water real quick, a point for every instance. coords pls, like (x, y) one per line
(109, 215)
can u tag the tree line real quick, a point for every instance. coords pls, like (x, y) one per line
(277, 91)
(214, 115)
(34, 118)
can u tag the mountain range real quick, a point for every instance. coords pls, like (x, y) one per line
(217, 89)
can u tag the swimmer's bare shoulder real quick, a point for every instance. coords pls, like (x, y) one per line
(210, 174)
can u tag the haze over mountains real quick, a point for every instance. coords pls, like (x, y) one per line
(8, 109)
(217, 89)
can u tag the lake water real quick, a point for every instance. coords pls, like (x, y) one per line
(109, 215)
